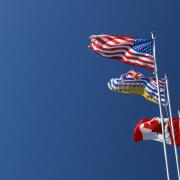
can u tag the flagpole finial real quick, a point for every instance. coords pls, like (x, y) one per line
(153, 34)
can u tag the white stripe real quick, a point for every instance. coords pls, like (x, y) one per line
(117, 46)
(138, 62)
(129, 39)
(134, 56)
(128, 60)
(110, 51)
(104, 38)
(120, 55)
(143, 54)
(110, 42)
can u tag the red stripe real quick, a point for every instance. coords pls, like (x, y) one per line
(107, 43)
(139, 59)
(127, 38)
(115, 53)
(130, 58)
(120, 38)
(137, 54)
(136, 64)
(107, 49)
(132, 63)
(122, 53)
(113, 40)
(130, 52)
(124, 38)
(117, 46)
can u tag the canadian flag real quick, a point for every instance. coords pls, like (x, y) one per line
(150, 129)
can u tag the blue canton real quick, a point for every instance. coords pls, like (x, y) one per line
(143, 45)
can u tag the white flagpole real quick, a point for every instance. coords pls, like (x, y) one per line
(160, 105)
(172, 126)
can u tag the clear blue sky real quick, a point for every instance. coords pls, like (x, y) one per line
(58, 120)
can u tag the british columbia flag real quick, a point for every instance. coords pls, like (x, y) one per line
(136, 83)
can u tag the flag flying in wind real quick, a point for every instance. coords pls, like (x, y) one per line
(136, 83)
(151, 92)
(130, 50)
(150, 129)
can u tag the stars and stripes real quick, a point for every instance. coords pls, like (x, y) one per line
(130, 50)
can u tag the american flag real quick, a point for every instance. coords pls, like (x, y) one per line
(130, 50)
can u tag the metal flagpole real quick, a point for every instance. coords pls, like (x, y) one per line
(172, 126)
(160, 105)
